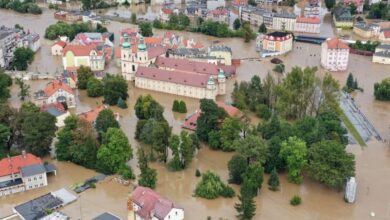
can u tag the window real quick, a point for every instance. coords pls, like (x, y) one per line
(29, 179)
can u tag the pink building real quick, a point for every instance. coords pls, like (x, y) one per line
(308, 25)
(334, 55)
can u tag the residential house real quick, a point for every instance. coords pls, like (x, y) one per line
(23, 172)
(239, 3)
(365, 30)
(221, 15)
(334, 55)
(32, 41)
(57, 110)
(83, 55)
(145, 204)
(10, 39)
(69, 77)
(58, 48)
(223, 52)
(342, 17)
(284, 21)
(382, 54)
(55, 91)
(214, 4)
(165, 13)
(384, 35)
(92, 114)
(312, 9)
(190, 121)
(274, 44)
(308, 25)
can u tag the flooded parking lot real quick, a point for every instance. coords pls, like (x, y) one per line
(319, 202)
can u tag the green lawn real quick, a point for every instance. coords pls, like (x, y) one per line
(352, 129)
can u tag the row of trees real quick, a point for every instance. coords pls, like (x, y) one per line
(176, 22)
(25, 128)
(380, 10)
(368, 46)
(102, 146)
(26, 6)
(71, 30)
(382, 90)
(218, 29)
(351, 84)
(96, 4)
(113, 88)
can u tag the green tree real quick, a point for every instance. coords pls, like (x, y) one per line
(237, 166)
(352, 8)
(253, 148)
(114, 151)
(294, 152)
(175, 106)
(121, 103)
(330, 4)
(22, 58)
(248, 32)
(211, 186)
(148, 176)
(382, 90)
(182, 151)
(146, 29)
(84, 74)
(105, 120)
(38, 131)
(114, 87)
(279, 68)
(156, 133)
(5, 134)
(146, 107)
(94, 87)
(349, 83)
(295, 200)
(230, 131)
(246, 208)
(86, 5)
(252, 180)
(133, 18)
(65, 138)
(182, 107)
(209, 118)
(237, 24)
(263, 28)
(174, 142)
(330, 164)
(5, 83)
(24, 89)
(273, 181)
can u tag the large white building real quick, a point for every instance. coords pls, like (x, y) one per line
(308, 25)
(21, 173)
(146, 204)
(382, 54)
(334, 55)
(284, 21)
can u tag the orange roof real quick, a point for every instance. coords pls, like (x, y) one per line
(79, 50)
(310, 20)
(335, 43)
(91, 115)
(55, 85)
(386, 33)
(60, 43)
(15, 163)
(153, 40)
(229, 109)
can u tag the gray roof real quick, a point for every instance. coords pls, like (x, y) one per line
(383, 54)
(54, 111)
(384, 46)
(50, 168)
(285, 15)
(33, 170)
(343, 14)
(220, 48)
(35, 209)
(106, 216)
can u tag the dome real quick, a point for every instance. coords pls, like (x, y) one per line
(141, 45)
(221, 74)
(211, 81)
(126, 45)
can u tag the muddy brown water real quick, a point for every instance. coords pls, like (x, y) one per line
(319, 202)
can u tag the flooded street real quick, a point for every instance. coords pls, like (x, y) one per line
(319, 202)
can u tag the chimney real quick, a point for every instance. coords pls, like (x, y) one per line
(24, 155)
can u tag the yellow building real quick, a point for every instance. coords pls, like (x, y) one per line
(342, 18)
(75, 56)
(223, 52)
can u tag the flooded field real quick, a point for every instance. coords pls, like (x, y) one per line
(319, 203)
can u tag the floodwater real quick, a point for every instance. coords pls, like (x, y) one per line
(319, 202)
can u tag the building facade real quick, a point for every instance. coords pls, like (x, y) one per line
(221, 15)
(146, 204)
(284, 21)
(382, 54)
(308, 25)
(342, 17)
(21, 173)
(365, 30)
(274, 44)
(221, 52)
(334, 55)
(10, 40)
(58, 48)
(55, 91)
(83, 55)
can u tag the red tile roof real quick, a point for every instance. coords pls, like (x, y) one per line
(167, 11)
(55, 85)
(118, 52)
(60, 43)
(173, 76)
(15, 163)
(219, 12)
(386, 33)
(91, 115)
(79, 50)
(309, 20)
(335, 43)
(190, 122)
(187, 65)
(156, 51)
(151, 203)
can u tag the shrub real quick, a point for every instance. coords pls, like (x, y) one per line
(93, 185)
(182, 107)
(175, 106)
(126, 172)
(382, 90)
(211, 187)
(228, 192)
(197, 173)
(121, 103)
(263, 111)
(295, 200)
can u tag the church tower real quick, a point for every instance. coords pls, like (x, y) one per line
(221, 82)
(126, 58)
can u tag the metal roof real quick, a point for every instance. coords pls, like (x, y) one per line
(33, 170)
(106, 216)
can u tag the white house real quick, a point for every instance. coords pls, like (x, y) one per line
(21, 173)
(382, 54)
(146, 204)
(334, 55)
(308, 25)
(55, 91)
(58, 48)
